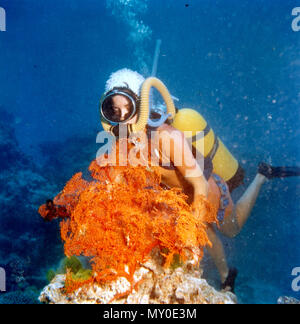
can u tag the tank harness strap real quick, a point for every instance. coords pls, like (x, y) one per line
(208, 165)
(214, 149)
(224, 201)
(201, 134)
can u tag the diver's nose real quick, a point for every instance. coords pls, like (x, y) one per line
(123, 113)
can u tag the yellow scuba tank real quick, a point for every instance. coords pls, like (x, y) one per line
(224, 164)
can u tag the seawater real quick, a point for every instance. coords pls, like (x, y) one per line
(235, 62)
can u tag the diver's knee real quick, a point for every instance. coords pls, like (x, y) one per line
(230, 227)
(230, 233)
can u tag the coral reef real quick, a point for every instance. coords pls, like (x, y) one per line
(153, 284)
(22, 182)
(25, 184)
(73, 266)
(28, 296)
(120, 215)
(23, 187)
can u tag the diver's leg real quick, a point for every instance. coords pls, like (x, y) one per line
(217, 253)
(246, 203)
(234, 222)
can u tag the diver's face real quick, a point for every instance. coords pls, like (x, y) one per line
(122, 108)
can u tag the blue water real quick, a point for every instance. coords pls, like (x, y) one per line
(236, 62)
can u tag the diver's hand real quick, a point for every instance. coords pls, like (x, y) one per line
(199, 216)
(198, 207)
(204, 210)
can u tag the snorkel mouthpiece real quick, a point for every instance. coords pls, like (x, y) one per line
(157, 122)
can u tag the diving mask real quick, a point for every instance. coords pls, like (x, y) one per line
(112, 113)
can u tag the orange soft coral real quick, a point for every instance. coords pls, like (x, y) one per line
(120, 216)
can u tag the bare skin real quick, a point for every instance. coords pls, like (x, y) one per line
(121, 106)
(236, 214)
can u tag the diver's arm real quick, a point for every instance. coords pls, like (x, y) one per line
(200, 186)
(183, 159)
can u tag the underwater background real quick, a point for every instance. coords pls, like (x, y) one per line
(236, 62)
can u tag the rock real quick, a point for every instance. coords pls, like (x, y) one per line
(161, 286)
(53, 292)
(288, 300)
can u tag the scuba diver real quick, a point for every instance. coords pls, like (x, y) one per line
(126, 102)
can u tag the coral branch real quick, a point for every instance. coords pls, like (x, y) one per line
(120, 216)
